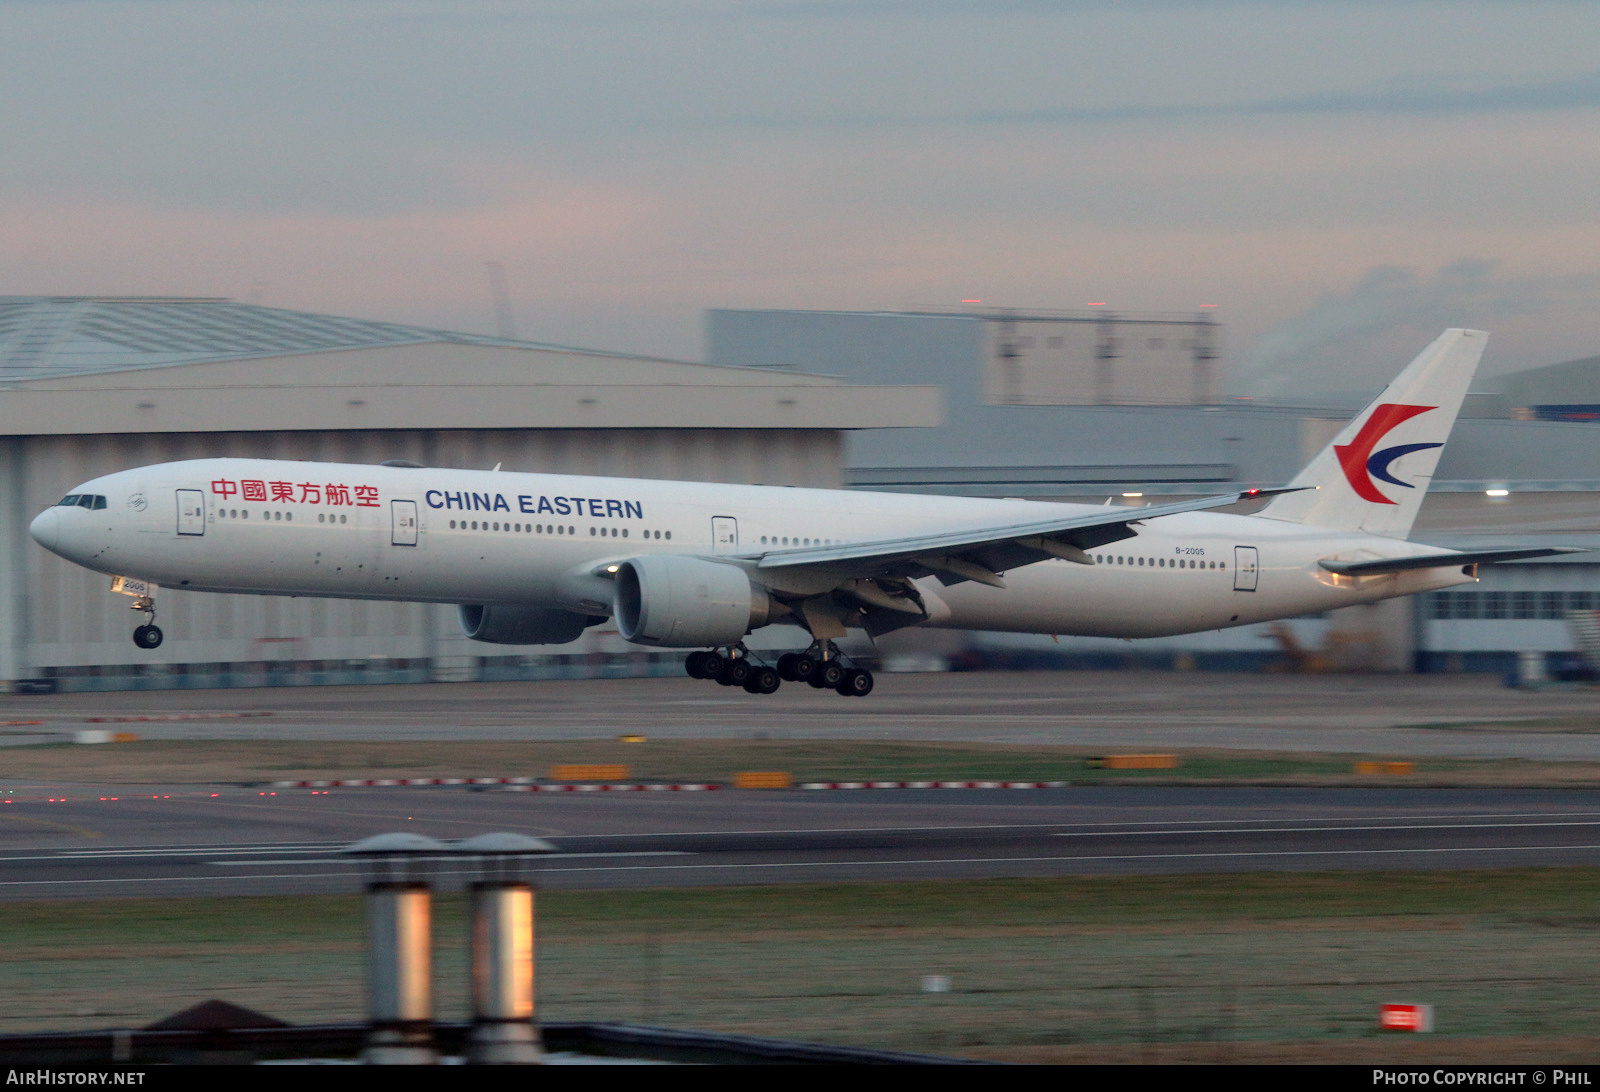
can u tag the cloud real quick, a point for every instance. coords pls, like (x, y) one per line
(1349, 344)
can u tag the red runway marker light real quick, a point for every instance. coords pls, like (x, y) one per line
(1405, 1017)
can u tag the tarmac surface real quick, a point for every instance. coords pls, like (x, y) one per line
(249, 841)
(1467, 716)
(65, 840)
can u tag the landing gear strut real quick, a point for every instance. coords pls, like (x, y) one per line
(148, 635)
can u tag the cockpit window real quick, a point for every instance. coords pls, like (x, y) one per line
(82, 500)
(68, 501)
(99, 501)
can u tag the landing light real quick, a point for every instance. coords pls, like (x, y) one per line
(613, 568)
(1133, 494)
(1497, 492)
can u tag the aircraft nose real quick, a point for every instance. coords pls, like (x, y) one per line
(46, 528)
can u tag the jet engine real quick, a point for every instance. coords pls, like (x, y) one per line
(686, 602)
(501, 625)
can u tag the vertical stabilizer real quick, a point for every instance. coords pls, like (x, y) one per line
(1374, 475)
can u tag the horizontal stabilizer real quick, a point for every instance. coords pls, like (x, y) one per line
(1441, 561)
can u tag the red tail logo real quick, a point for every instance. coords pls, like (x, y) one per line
(1361, 464)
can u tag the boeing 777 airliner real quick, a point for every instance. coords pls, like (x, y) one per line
(538, 558)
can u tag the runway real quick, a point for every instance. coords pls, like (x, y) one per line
(186, 842)
(1465, 716)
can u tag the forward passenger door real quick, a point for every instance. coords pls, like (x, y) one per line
(191, 512)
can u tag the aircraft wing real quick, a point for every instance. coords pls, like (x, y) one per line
(982, 553)
(1440, 561)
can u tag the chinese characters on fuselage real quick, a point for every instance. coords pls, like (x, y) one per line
(331, 493)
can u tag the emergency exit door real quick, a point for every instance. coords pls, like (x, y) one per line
(724, 534)
(1246, 562)
(191, 512)
(403, 517)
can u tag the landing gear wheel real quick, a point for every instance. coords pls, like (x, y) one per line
(734, 672)
(786, 670)
(857, 683)
(804, 668)
(763, 680)
(695, 665)
(828, 675)
(147, 636)
(711, 664)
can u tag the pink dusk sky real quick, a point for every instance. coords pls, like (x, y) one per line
(1341, 179)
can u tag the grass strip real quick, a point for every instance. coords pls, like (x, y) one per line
(1101, 968)
(169, 762)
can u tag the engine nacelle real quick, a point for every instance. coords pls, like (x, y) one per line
(686, 602)
(501, 625)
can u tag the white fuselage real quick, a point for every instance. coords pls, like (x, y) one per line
(475, 537)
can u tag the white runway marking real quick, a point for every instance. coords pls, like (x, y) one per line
(897, 863)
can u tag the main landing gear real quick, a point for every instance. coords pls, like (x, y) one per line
(148, 635)
(819, 666)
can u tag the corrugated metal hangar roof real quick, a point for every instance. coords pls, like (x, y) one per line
(113, 365)
(43, 336)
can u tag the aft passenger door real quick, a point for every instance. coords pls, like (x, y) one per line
(724, 534)
(1246, 563)
(191, 512)
(403, 521)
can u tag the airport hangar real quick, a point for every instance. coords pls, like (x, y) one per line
(93, 385)
(1088, 406)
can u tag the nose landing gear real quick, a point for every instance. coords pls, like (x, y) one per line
(149, 635)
